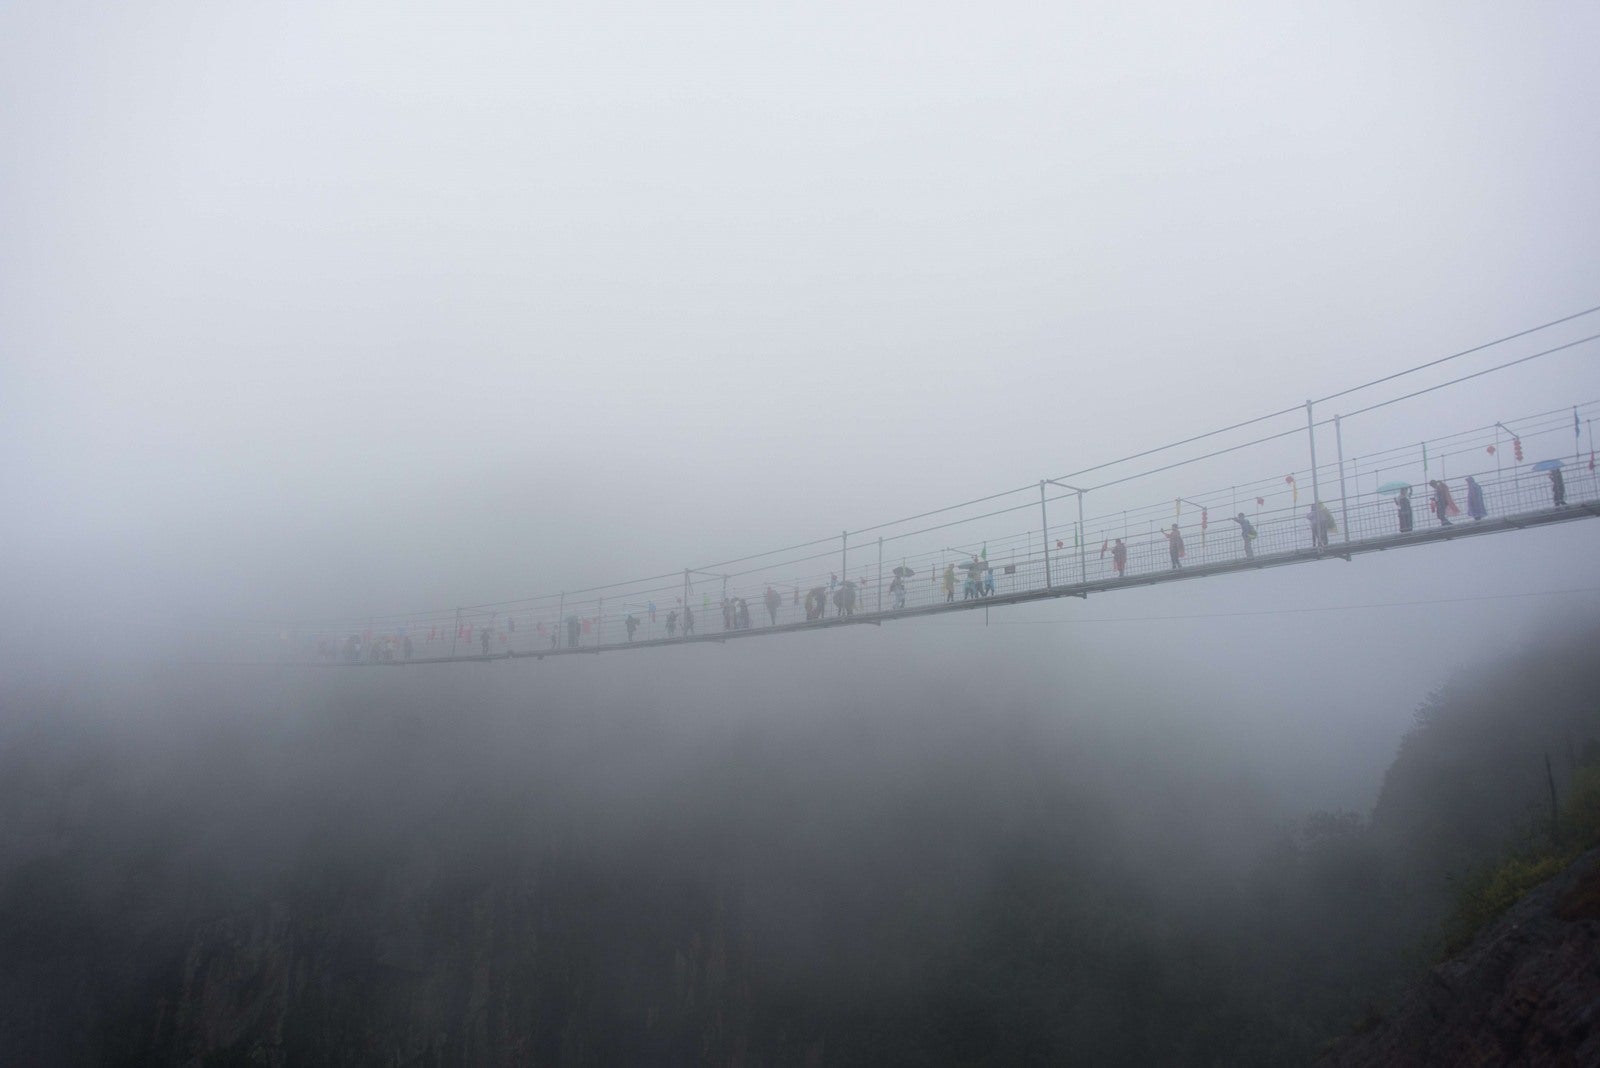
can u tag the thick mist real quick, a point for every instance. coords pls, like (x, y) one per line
(858, 864)
(311, 318)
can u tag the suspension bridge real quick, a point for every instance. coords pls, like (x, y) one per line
(1110, 529)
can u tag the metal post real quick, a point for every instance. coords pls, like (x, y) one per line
(1044, 520)
(561, 617)
(880, 574)
(685, 594)
(1311, 434)
(1344, 504)
(844, 556)
(454, 638)
(725, 596)
(599, 622)
(1083, 560)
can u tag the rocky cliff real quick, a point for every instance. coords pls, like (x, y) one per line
(1526, 992)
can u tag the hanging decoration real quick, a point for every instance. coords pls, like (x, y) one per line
(1516, 449)
(1294, 488)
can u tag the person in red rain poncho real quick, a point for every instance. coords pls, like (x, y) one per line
(1444, 506)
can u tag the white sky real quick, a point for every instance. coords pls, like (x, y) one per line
(321, 310)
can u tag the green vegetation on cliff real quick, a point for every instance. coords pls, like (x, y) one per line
(1547, 852)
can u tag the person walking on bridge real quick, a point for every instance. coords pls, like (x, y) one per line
(1321, 522)
(1402, 504)
(1119, 557)
(774, 601)
(1475, 506)
(1174, 545)
(1558, 487)
(672, 623)
(950, 584)
(1444, 506)
(1248, 533)
(632, 623)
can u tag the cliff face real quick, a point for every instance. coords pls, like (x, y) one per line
(1526, 992)
(525, 969)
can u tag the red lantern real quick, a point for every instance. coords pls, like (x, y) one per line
(1260, 501)
(1490, 450)
(1516, 449)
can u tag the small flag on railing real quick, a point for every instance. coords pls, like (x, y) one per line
(1294, 489)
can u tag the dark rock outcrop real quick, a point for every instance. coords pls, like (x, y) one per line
(1526, 992)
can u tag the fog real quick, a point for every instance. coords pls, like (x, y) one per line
(310, 316)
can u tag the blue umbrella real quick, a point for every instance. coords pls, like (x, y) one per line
(1547, 465)
(1394, 487)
